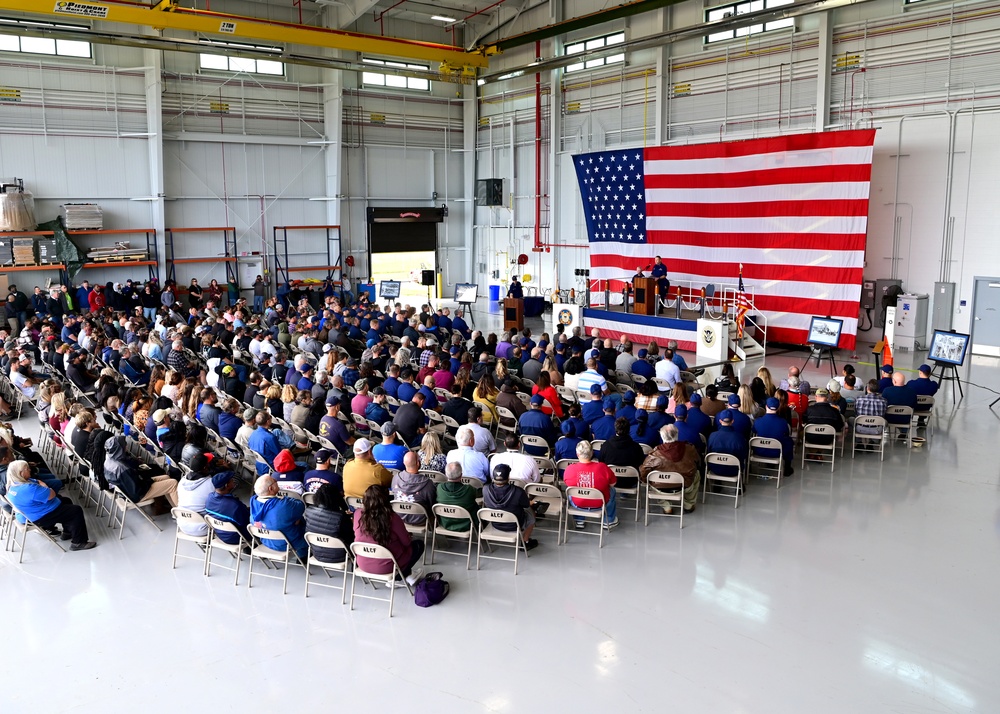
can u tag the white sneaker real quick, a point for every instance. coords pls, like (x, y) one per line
(611, 526)
(414, 576)
(667, 510)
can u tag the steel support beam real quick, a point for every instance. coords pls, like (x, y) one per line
(168, 16)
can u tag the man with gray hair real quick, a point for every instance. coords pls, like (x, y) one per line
(270, 509)
(33, 500)
(676, 456)
(473, 462)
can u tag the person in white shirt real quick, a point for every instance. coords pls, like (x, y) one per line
(473, 462)
(666, 369)
(522, 466)
(484, 439)
(267, 346)
(255, 347)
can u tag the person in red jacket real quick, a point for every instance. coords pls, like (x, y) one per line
(96, 298)
(592, 474)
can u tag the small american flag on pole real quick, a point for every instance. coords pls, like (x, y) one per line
(793, 209)
(742, 307)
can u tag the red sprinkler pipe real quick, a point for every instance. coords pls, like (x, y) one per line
(538, 151)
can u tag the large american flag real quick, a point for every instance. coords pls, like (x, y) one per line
(792, 209)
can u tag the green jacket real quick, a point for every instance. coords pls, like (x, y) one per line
(458, 494)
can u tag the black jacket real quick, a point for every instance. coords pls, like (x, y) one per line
(621, 451)
(332, 523)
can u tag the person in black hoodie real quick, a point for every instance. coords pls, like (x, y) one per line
(504, 496)
(328, 515)
(622, 450)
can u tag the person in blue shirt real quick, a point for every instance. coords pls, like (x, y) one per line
(772, 426)
(641, 367)
(406, 388)
(604, 428)
(923, 385)
(430, 399)
(35, 501)
(899, 394)
(697, 418)
(515, 290)
(687, 432)
(560, 356)
(659, 418)
(376, 410)
(566, 446)
(390, 453)
(305, 381)
(886, 381)
(677, 359)
(627, 409)
(741, 422)
(594, 409)
(222, 504)
(459, 325)
(641, 432)
(726, 440)
(269, 509)
(391, 383)
(535, 422)
(263, 442)
(83, 296)
(574, 414)
(659, 274)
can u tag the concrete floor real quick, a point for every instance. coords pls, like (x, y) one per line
(867, 590)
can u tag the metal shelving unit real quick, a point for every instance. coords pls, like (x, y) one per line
(332, 266)
(152, 262)
(40, 267)
(228, 251)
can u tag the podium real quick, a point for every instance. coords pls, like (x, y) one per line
(645, 296)
(513, 314)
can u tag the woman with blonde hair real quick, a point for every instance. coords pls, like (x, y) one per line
(432, 456)
(272, 400)
(765, 374)
(747, 404)
(288, 395)
(501, 371)
(58, 413)
(549, 365)
(486, 397)
(190, 391)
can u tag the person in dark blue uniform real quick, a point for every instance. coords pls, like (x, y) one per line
(886, 381)
(604, 428)
(566, 446)
(535, 422)
(659, 273)
(697, 418)
(741, 422)
(515, 290)
(687, 432)
(727, 440)
(772, 426)
(641, 367)
(594, 409)
(923, 385)
(899, 394)
(659, 418)
(627, 409)
(641, 432)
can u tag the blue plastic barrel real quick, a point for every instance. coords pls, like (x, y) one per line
(494, 293)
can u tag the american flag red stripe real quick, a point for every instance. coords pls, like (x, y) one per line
(792, 209)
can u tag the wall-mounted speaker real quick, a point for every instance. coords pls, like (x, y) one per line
(426, 277)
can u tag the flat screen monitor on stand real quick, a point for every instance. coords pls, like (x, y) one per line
(467, 294)
(824, 336)
(947, 351)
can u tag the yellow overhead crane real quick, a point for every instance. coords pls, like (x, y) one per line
(167, 15)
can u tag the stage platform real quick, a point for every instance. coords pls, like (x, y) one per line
(642, 329)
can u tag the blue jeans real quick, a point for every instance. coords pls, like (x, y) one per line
(149, 313)
(611, 508)
(258, 303)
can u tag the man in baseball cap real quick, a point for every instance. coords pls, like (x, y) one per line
(772, 426)
(222, 504)
(363, 471)
(323, 472)
(742, 424)
(499, 494)
(535, 422)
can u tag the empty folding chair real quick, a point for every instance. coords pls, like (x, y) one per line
(550, 494)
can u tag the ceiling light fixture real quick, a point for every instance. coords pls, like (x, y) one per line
(442, 18)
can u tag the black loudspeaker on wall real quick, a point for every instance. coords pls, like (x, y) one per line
(489, 192)
(426, 277)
